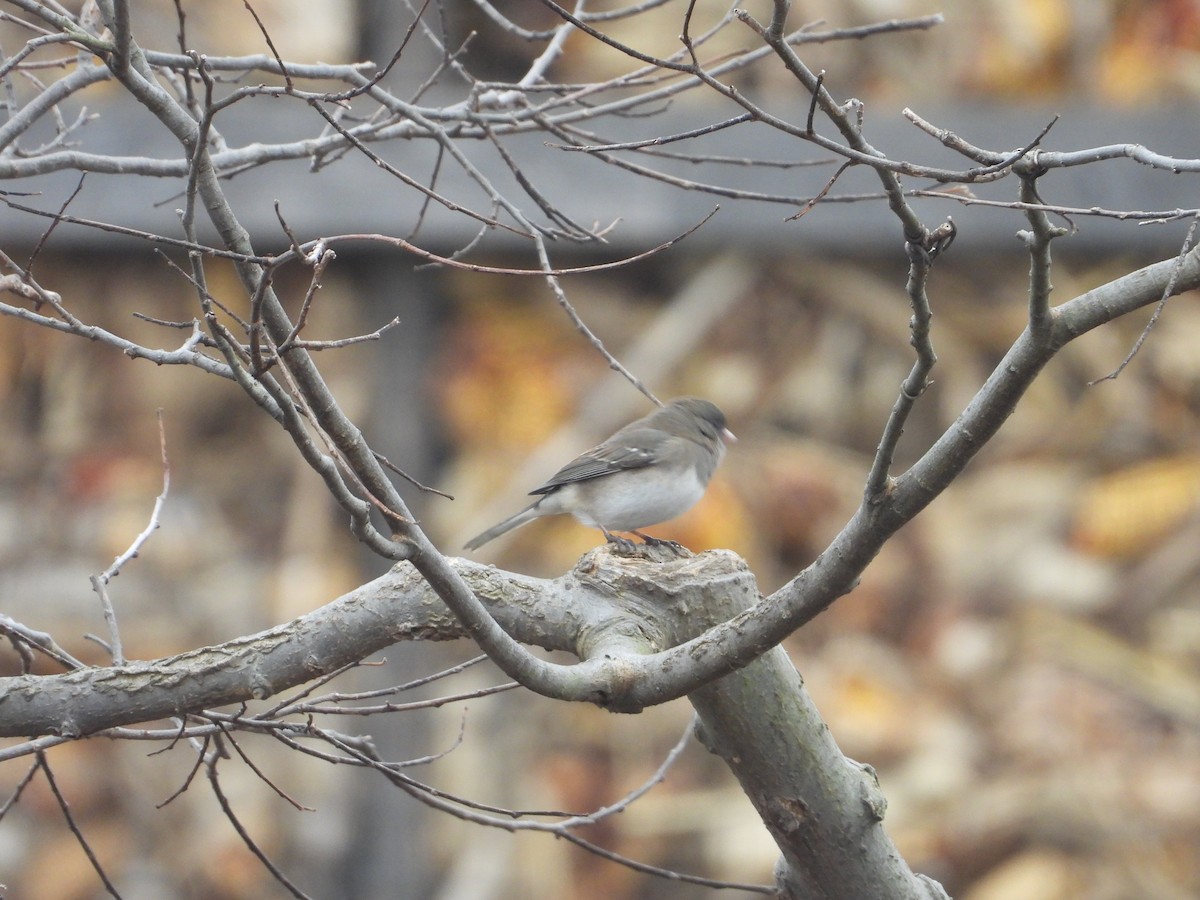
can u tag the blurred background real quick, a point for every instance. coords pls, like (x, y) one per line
(1021, 664)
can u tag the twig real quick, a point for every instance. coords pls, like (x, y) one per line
(321, 258)
(226, 808)
(548, 270)
(657, 141)
(552, 212)
(19, 788)
(812, 105)
(148, 236)
(289, 706)
(201, 755)
(1168, 292)
(1142, 217)
(34, 746)
(227, 734)
(39, 639)
(993, 163)
(283, 706)
(563, 829)
(65, 807)
(323, 704)
(876, 490)
(100, 582)
(1037, 240)
(339, 343)
(820, 195)
(37, 248)
(392, 467)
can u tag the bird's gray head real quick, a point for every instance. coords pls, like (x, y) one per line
(706, 416)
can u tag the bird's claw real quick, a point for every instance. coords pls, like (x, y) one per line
(623, 545)
(652, 541)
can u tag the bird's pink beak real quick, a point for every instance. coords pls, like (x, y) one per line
(728, 436)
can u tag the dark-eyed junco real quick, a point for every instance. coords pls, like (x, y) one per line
(651, 470)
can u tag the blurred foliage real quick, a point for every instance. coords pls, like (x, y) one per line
(1021, 663)
(1106, 51)
(1020, 656)
(1102, 51)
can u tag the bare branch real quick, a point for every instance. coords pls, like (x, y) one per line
(276, 872)
(919, 263)
(19, 788)
(39, 640)
(1038, 242)
(100, 582)
(65, 808)
(1169, 291)
(439, 801)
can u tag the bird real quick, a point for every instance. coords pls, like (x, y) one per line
(650, 471)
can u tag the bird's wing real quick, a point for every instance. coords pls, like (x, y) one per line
(611, 456)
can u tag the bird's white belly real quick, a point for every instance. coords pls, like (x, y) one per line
(645, 498)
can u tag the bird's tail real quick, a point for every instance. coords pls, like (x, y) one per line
(528, 514)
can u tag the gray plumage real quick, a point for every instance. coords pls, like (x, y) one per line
(650, 471)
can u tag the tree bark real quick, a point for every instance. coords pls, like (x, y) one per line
(824, 811)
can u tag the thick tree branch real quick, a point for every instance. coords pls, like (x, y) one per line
(576, 612)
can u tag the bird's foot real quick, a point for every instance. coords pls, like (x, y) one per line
(624, 546)
(652, 541)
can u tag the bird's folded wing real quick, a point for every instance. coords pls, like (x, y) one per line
(602, 460)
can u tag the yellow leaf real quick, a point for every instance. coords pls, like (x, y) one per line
(1127, 511)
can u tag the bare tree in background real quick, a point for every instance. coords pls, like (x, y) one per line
(646, 628)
